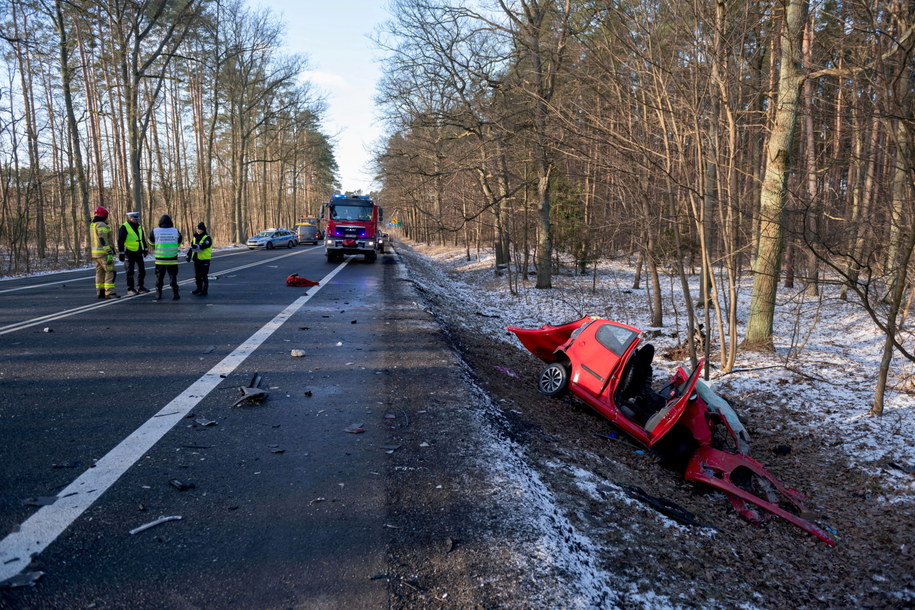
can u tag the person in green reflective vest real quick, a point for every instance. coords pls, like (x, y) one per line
(166, 241)
(103, 248)
(201, 252)
(133, 248)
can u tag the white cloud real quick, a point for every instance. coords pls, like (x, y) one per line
(333, 83)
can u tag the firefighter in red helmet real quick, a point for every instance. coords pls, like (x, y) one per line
(104, 247)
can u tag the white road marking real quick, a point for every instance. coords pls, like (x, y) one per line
(10, 328)
(42, 528)
(77, 279)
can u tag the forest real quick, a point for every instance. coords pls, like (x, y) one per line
(185, 107)
(753, 143)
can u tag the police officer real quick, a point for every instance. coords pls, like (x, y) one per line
(166, 240)
(103, 248)
(201, 252)
(132, 246)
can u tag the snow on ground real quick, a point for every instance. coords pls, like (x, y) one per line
(823, 371)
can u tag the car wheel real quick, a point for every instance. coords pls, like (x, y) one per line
(289, 244)
(269, 245)
(554, 380)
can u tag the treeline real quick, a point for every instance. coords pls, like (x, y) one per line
(185, 107)
(734, 137)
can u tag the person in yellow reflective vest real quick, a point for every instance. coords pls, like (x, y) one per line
(132, 246)
(201, 252)
(103, 248)
(166, 241)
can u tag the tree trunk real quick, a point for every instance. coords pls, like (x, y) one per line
(774, 190)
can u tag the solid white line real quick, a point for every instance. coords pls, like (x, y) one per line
(10, 328)
(42, 528)
(222, 254)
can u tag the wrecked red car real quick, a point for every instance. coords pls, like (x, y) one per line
(608, 366)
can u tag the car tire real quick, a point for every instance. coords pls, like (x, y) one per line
(269, 245)
(554, 380)
(289, 244)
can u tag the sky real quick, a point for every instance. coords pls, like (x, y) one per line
(335, 37)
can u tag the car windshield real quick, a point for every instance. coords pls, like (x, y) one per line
(350, 212)
(264, 234)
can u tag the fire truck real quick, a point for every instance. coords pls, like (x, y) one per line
(352, 226)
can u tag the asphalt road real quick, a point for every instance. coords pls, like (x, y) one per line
(106, 405)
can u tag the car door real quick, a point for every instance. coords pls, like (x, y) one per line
(596, 354)
(677, 398)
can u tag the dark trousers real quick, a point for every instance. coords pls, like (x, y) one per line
(172, 271)
(201, 271)
(135, 259)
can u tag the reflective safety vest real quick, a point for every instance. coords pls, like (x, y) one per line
(204, 254)
(100, 236)
(166, 250)
(134, 238)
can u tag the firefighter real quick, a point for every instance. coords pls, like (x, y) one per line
(201, 252)
(103, 248)
(132, 246)
(166, 240)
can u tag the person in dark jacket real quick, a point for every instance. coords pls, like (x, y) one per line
(200, 252)
(166, 241)
(133, 248)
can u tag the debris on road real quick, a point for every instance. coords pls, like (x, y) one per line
(210, 349)
(39, 501)
(297, 353)
(252, 393)
(295, 280)
(205, 422)
(47, 329)
(390, 448)
(25, 579)
(181, 486)
(355, 429)
(158, 521)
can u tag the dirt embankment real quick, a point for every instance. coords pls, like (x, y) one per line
(462, 548)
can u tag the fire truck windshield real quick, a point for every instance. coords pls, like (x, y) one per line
(351, 212)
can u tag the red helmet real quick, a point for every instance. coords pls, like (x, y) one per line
(101, 212)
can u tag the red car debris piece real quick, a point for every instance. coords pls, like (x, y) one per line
(296, 280)
(608, 366)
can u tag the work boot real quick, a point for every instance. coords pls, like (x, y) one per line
(101, 294)
(176, 296)
(143, 290)
(197, 291)
(132, 292)
(113, 295)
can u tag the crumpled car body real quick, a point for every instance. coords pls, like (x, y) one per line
(607, 365)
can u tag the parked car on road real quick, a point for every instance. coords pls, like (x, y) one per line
(273, 238)
(308, 233)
